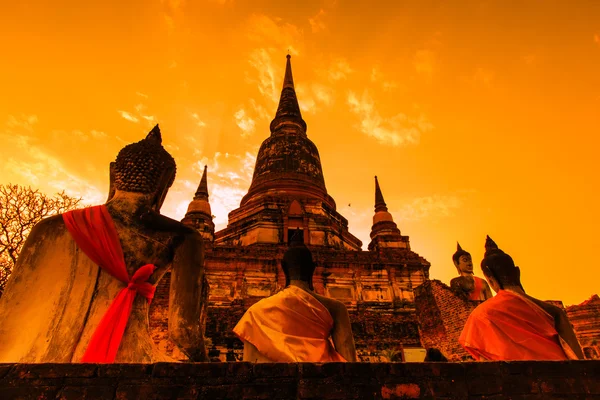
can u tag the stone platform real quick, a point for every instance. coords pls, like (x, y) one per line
(489, 380)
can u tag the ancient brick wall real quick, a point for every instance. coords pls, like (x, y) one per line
(585, 318)
(442, 314)
(473, 381)
(376, 288)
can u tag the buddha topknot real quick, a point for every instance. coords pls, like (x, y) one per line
(139, 166)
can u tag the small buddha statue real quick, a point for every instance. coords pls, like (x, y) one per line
(81, 288)
(467, 283)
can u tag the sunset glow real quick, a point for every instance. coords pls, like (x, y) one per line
(477, 118)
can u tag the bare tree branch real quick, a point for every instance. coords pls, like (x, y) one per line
(21, 208)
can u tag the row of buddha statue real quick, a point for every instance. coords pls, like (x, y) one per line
(81, 289)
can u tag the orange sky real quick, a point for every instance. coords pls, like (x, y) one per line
(477, 118)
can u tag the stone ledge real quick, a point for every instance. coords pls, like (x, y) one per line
(497, 380)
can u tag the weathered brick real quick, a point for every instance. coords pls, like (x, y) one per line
(401, 391)
(221, 392)
(560, 385)
(323, 389)
(270, 391)
(265, 370)
(447, 387)
(26, 392)
(125, 370)
(4, 369)
(240, 372)
(491, 385)
(43, 371)
(127, 392)
(91, 392)
(517, 384)
(311, 370)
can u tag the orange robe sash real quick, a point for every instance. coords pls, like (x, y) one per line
(94, 232)
(510, 327)
(290, 326)
(476, 295)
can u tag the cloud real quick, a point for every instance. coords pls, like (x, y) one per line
(260, 59)
(429, 207)
(142, 95)
(128, 116)
(275, 33)
(305, 99)
(245, 123)
(424, 63)
(260, 110)
(389, 86)
(172, 10)
(395, 131)
(377, 76)
(39, 168)
(96, 135)
(339, 69)
(316, 22)
(322, 93)
(24, 121)
(198, 121)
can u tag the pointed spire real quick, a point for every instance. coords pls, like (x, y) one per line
(458, 248)
(288, 79)
(288, 112)
(379, 202)
(155, 135)
(202, 192)
(490, 244)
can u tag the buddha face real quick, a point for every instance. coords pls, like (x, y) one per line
(465, 265)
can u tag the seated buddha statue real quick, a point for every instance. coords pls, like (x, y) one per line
(296, 324)
(514, 325)
(467, 284)
(81, 288)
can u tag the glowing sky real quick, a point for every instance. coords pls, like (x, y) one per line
(478, 118)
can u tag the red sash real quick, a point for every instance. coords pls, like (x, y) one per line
(94, 232)
(476, 295)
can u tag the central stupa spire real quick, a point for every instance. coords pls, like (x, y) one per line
(288, 118)
(288, 79)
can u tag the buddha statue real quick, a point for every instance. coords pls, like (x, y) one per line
(467, 283)
(82, 285)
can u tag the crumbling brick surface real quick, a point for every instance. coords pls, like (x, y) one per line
(585, 318)
(442, 315)
(497, 380)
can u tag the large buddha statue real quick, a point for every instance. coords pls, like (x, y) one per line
(82, 285)
(467, 283)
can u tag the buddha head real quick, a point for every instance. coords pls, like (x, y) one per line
(298, 264)
(499, 268)
(144, 167)
(462, 261)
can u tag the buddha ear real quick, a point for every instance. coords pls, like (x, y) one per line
(165, 181)
(111, 181)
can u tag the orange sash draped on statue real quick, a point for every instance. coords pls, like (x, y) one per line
(94, 232)
(290, 326)
(511, 327)
(476, 295)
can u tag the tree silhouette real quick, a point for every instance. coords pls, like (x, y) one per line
(20, 209)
